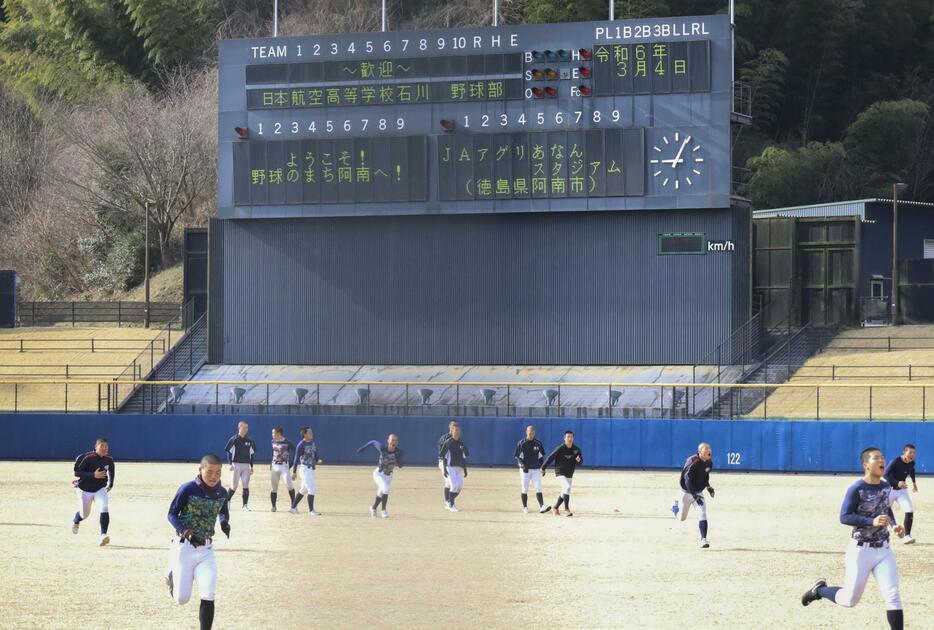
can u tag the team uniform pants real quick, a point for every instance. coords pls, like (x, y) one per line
(192, 564)
(309, 484)
(860, 562)
(455, 478)
(101, 497)
(565, 484)
(447, 480)
(688, 499)
(903, 499)
(383, 482)
(241, 472)
(533, 476)
(278, 471)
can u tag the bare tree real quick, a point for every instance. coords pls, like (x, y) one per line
(26, 149)
(148, 150)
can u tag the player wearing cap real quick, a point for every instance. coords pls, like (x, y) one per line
(897, 474)
(867, 509)
(195, 508)
(447, 481)
(95, 479)
(390, 458)
(566, 457)
(695, 478)
(530, 453)
(240, 450)
(282, 451)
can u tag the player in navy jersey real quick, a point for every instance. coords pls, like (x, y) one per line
(695, 478)
(279, 465)
(306, 459)
(95, 479)
(867, 509)
(447, 481)
(454, 456)
(240, 450)
(530, 453)
(390, 458)
(567, 457)
(193, 512)
(897, 474)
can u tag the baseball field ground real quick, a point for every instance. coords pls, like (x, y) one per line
(620, 562)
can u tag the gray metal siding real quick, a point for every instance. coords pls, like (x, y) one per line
(535, 289)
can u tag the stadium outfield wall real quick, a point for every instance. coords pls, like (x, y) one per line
(784, 446)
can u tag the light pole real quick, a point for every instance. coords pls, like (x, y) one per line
(895, 188)
(146, 267)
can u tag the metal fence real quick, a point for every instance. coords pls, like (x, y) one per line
(88, 344)
(74, 313)
(825, 401)
(881, 343)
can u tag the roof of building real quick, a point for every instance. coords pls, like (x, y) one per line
(855, 208)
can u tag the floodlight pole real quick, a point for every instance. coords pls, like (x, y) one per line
(384, 16)
(495, 12)
(146, 268)
(612, 10)
(895, 188)
(732, 42)
(275, 18)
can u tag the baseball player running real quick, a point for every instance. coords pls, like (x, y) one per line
(530, 453)
(447, 481)
(867, 509)
(390, 458)
(240, 450)
(567, 457)
(695, 478)
(95, 480)
(454, 456)
(306, 456)
(897, 474)
(282, 451)
(196, 506)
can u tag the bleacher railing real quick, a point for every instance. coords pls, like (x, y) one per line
(810, 401)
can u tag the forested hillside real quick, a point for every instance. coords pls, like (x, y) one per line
(109, 106)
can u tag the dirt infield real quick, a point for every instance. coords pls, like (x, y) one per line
(619, 563)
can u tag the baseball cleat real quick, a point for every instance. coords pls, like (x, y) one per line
(556, 511)
(811, 595)
(525, 510)
(293, 510)
(545, 509)
(104, 539)
(314, 513)
(907, 540)
(704, 544)
(74, 527)
(373, 511)
(570, 513)
(246, 508)
(453, 508)
(384, 514)
(273, 509)
(447, 506)
(168, 582)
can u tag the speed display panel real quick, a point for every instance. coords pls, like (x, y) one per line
(550, 117)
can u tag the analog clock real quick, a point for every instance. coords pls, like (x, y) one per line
(677, 160)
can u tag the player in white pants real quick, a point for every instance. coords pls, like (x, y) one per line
(447, 482)
(867, 509)
(566, 457)
(454, 456)
(530, 454)
(94, 472)
(282, 451)
(240, 450)
(195, 508)
(306, 460)
(897, 474)
(695, 478)
(390, 458)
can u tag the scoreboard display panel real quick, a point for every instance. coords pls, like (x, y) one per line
(534, 118)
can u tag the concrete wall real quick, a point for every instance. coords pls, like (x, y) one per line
(767, 445)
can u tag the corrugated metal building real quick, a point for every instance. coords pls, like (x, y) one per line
(574, 288)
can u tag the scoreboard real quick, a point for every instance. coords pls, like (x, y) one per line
(549, 117)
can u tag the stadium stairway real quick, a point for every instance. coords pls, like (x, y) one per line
(777, 367)
(179, 364)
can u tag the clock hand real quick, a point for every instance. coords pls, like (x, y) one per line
(677, 159)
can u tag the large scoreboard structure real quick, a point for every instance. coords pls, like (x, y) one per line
(365, 136)
(551, 117)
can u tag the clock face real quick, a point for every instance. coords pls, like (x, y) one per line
(677, 160)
